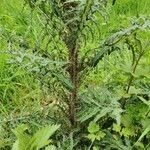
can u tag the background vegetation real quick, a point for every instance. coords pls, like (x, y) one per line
(98, 101)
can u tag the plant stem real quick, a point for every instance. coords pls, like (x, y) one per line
(132, 76)
(73, 71)
(133, 72)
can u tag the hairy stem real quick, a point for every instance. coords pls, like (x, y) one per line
(73, 58)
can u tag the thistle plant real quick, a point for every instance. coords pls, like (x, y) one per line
(72, 23)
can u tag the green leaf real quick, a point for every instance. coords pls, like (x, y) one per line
(96, 136)
(127, 132)
(95, 148)
(93, 127)
(143, 134)
(40, 138)
(64, 81)
(16, 145)
(89, 114)
(116, 127)
(22, 138)
(102, 113)
(116, 114)
(133, 90)
(50, 147)
(100, 135)
(91, 137)
(105, 48)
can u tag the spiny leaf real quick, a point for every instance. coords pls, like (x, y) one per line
(40, 138)
(64, 81)
(102, 113)
(89, 114)
(22, 138)
(105, 48)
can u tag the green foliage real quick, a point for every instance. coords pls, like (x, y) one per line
(94, 132)
(98, 103)
(81, 64)
(37, 141)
